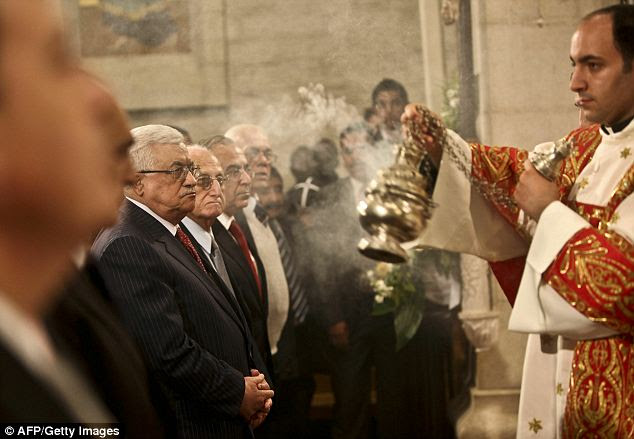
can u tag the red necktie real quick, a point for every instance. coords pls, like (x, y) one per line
(187, 243)
(237, 233)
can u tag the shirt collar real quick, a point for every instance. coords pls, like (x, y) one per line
(202, 236)
(617, 127)
(225, 220)
(169, 226)
(25, 337)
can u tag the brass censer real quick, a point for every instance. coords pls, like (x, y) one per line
(396, 205)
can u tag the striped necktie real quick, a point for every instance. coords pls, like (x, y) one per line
(298, 294)
(187, 243)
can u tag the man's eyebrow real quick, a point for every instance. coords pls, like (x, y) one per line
(586, 59)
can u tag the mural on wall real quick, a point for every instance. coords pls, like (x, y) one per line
(133, 27)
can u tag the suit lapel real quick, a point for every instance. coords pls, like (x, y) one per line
(216, 277)
(179, 253)
(236, 258)
(231, 249)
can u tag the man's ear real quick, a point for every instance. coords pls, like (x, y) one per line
(138, 187)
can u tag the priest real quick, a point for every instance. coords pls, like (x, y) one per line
(571, 283)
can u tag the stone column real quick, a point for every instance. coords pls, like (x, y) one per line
(495, 397)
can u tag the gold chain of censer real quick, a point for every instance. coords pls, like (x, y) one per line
(437, 131)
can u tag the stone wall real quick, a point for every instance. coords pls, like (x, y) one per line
(525, 68)
(263, 51)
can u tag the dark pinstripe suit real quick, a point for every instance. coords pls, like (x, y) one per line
(246, 288)
(194, 336)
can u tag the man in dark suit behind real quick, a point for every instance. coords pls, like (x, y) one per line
(249, 279)
(194, 337)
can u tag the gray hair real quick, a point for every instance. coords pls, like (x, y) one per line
(141, 154)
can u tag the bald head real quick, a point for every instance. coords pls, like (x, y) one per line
(256, 147)
(245, 135)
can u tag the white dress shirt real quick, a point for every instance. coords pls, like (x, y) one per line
(202, 236)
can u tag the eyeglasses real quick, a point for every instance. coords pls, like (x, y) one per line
(234, 172)
(205, 181)
(252, 152)
(179, 173)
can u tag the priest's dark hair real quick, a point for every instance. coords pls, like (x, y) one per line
(622, 30)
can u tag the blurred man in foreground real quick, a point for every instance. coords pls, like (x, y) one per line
(61, 173)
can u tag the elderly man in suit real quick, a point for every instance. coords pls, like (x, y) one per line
(194, 336)
(209, 204)
(240, 255)
(255, 144)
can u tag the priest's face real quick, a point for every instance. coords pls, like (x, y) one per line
(604, 88)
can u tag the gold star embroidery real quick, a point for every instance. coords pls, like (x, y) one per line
(583, 183)
(535, 425)
(614, 218)
(625, 153)
(560, 389)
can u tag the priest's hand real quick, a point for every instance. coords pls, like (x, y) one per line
(534, 192)
(412, 115)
